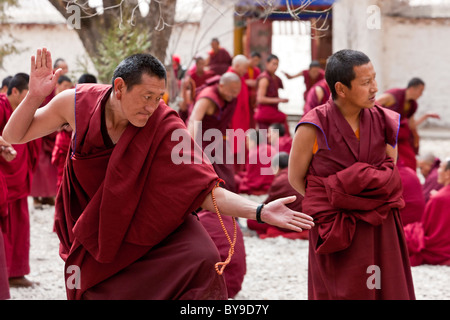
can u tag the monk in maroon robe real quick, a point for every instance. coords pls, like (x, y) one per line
(279, 139)
(267, 97)
(214, 107)
(219, 60)
(258, 176)
(280, 188)
(310, 76)
(318, 95)
(412, 194)
(352, 188)
(404, 101)
(124, 207)
(241, 116)
(429, 166)
(429, 240)
(18, 174)
(250, 77)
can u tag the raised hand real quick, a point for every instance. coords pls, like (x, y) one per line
(42, 78)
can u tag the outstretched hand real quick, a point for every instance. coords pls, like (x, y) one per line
(43, 79)
(276, 213)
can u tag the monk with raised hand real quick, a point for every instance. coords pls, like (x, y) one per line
(343, 161)
(123, 212)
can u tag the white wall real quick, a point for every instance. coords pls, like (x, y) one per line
(400, 49)
(62, 43)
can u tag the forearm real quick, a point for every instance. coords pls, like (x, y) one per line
(231, 204)
(21, 119)
(268, 100)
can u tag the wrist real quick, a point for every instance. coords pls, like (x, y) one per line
(259, 213)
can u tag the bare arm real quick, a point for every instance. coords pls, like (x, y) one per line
(274, 213)
(301, 155)
(261, 92)
(28, 122)
(392, 152)
(294, 76)
(386, 100)
(201, 108)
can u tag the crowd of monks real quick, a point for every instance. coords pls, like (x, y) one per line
(223, 92)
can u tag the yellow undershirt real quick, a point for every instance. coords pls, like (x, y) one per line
(316, 145)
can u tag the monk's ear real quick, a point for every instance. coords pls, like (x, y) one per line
(119, 87)
(340, 89)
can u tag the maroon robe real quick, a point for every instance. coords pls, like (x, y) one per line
(235, 271)
(354, 192)
(4, 284)
(254, 180)
(280, 188)
(412, 194)
(18, 174)
(200, 79)
(430, 182)
(312, 101)
(219, 61)
(429, 240)
(252, 74)
(123, 212)
(45, 175)
(309, 82)
(241, 116)
(267, 114)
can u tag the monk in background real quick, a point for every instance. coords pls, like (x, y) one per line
(404, 101)
(343, 161)
(214, 109)
(311, 76)
(429, 166)
(280, 188)
(252, 74)
(412, 194)
(136, 239)
(429, 240)
(267, 98)
(218, 60)
(18, 173)
(318, 95)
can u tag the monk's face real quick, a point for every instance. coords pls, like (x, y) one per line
(363, 87)
(314, 72)
(424, 167)
(416, 92)
(139, 103)
(272, 66)
(443, 175)
(230, 90)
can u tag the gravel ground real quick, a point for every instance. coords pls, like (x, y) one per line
(276, 267)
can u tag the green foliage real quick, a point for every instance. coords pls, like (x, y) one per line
(117, 44)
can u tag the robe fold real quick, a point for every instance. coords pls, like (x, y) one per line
(252, 74)
(59, 153)
(18, 175)
(266, 113)
(354, 192)
(429, 240)
(123, 212)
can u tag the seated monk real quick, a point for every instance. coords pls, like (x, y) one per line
(428, 166)
(123, 212)
(280, 188)
(429, 240)
(258, 176)
(412, 194)
(279, 139)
